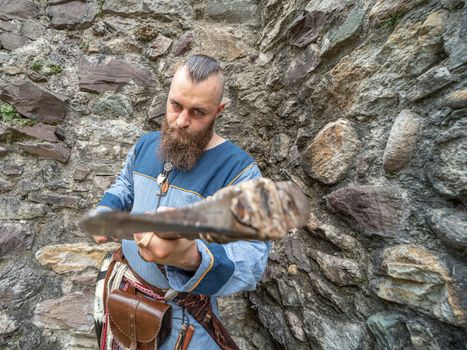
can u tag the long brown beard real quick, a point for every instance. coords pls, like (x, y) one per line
(181, 148)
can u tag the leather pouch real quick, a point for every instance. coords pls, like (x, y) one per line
(138, 322)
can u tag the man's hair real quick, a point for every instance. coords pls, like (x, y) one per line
(201, 67)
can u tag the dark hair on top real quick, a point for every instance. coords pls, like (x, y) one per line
(201, 67)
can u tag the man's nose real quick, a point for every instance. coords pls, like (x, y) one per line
(183, 119)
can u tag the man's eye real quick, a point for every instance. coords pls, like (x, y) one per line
(176, 106)
(199, 113)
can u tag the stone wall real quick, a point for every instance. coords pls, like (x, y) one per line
(362, 103)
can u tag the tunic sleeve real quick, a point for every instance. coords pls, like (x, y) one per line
(119, 196)
(225, 268)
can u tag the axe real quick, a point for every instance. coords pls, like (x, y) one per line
(259, 209)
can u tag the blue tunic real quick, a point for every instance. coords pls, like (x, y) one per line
(225, 268)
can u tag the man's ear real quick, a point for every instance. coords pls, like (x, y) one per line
(220, 109)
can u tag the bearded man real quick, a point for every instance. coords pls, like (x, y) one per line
(184, 163)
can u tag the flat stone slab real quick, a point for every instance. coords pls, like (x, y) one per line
(40, 131)
(112, 75)
(374, 210)
(72, 258)
(55, 151)
(33, 101)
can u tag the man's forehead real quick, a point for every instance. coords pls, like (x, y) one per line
(211, 88)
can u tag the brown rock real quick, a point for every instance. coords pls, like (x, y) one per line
(40, 131)
(220, 44)
(183, 45)
(11, 70)
(343, 272)
(66, 258)
(55, 200)
(14, 237)
(14, 9)
(158, 47)
(11, 41)
(80, 173)
(457, 99)
(307, 27)
(33, 101)
(56, 313)
(418, 278)
(332, 152)
(112, 74)
(402, 141)
(55, 151)
(375, 210)
(72, 14)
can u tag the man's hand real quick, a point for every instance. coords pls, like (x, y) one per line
(181, 253)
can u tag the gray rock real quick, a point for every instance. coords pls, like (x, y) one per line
(55, 199)
(349, 29)
(457, 99)
(8, 26)
(72, 14)
(401, 142)
(156, 8)
(459, 55)
(16, 209)
(331, 334)
(112, 75)
(450, 226)
(280, 146)
(429, 82)
(55, 151)
(11, 41)
(6, 186)
(235, 11)
(384, 9)
(448, 169)
(389, 331)
(32, 29)
(114, 106)
(34, 102)
(374, 210)
(332, 152)
(19, 281)
(7, 324)
(14, 238)
(12, 170)
(17, 9)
